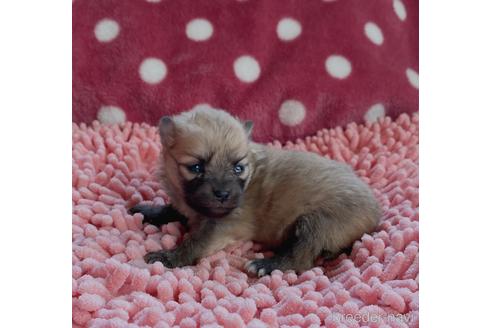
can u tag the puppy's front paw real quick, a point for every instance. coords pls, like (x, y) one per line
(165, 257)
(261, 267)
(158, 215)
(150, 213)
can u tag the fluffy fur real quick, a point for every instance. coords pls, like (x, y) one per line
(299, 203)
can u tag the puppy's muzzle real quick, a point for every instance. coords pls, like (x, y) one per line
(221, 195)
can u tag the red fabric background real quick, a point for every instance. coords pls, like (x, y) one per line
(107, 73)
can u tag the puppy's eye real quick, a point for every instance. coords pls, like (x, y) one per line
(196, 168)
(238, 168)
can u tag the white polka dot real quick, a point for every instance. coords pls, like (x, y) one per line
(152, 70)
(288, 29)
(373, 33)
(247, 69)
(111, 115)
(374, 112)
(291, 112)
(413, 78)
(338, 66)
(199, 29)
(106, 30)
(400, 10)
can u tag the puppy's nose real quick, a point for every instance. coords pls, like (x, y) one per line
(221, 195)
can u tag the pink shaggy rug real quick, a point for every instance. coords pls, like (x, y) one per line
(376, 286)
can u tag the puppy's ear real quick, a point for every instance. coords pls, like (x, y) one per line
(167, 131)
(248, 127)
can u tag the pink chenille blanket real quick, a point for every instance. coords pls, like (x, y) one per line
(376, 285)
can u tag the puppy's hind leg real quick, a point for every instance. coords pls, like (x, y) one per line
(158, 215)
(299, 251)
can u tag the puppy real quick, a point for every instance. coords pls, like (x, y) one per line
(230, 189)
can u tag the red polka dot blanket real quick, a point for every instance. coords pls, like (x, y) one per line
(293, 67)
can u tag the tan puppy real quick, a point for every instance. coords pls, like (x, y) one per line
(231, 189)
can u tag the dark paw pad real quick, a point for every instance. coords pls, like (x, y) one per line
(261, 267)
(137, 209)
(166, 258)
(158, 215)
(151, 214)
